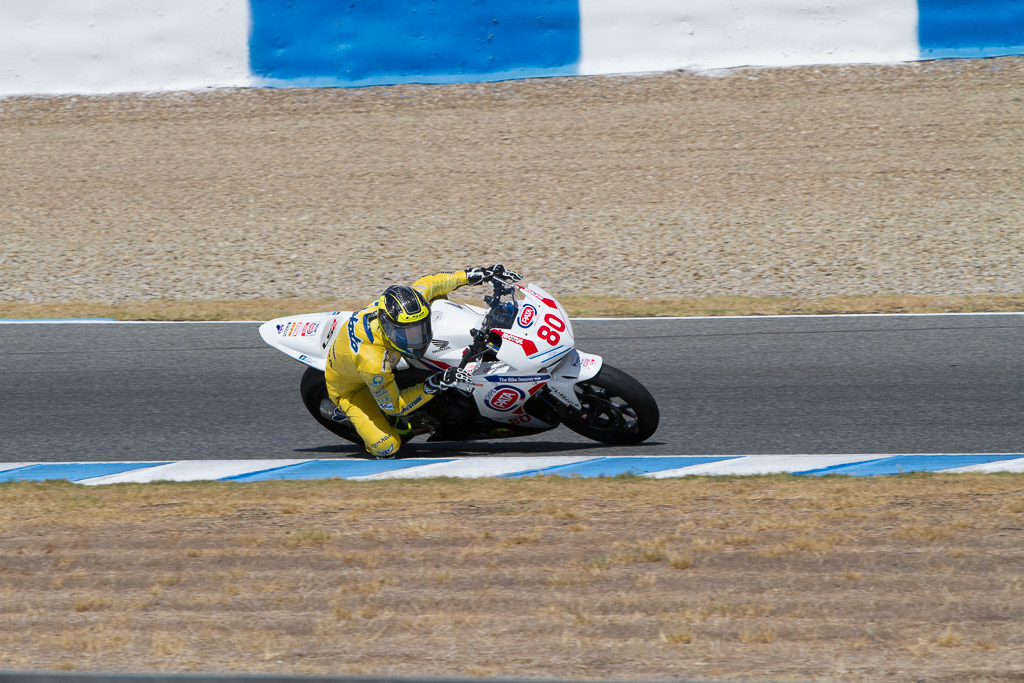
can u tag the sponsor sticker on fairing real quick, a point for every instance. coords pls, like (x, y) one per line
(506, 379)
(504, 398)
(547, 301)
(330, 333)
(527, 315)
(301, 329)
(528, 346)
(560, 395)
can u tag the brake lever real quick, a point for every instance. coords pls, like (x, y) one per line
(480, 346)
(502, 285)
(474, 350)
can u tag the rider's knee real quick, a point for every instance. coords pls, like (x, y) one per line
(386, 447)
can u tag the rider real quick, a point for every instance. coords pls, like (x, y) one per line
(361, 362)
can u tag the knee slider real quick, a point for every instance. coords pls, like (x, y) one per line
(386, 447)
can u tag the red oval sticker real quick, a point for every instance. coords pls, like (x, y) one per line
(505, 398)
(527, 315)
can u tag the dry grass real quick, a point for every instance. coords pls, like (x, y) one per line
(307, 538)
(91, 602)
(678, 637)
(769, 578)
(757, 636)
(680, 561)
(597, 305)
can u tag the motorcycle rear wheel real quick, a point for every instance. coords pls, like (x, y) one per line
(314, 389)
(616, 409)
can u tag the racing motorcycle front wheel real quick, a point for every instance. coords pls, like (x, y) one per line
(614, 409)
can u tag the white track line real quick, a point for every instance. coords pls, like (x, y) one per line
(471, 468)
(998, 466)
(7, 466)
(764, 464)
(192, 470)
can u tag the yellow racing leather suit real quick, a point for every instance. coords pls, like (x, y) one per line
(360, 372)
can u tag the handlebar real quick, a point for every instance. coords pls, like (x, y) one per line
(502, 287)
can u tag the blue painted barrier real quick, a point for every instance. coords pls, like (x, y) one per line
(317, 43)
(371, 42)
(970, 28)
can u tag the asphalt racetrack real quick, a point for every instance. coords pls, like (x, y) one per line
(795, 385)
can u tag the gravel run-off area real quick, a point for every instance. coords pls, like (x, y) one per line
(809, 182)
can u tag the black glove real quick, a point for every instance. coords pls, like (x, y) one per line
(447, 379)
(477, 275)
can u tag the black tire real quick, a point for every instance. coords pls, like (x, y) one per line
(314, 388)
(616, 409)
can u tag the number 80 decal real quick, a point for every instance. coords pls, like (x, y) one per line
(550, 332)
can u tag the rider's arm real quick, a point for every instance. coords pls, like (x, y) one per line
(439, 284)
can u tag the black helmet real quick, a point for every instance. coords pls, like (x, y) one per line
(404, 316)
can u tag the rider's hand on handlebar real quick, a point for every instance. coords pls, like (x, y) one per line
(475, 276)
(447, 379)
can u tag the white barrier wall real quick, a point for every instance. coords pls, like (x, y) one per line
(654, 35)
(103, 46)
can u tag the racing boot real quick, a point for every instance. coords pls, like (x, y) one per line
(329, 411)
(409, 426)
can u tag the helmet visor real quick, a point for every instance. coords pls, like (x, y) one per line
(410, 340)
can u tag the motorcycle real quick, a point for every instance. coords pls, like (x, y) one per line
(527, 376)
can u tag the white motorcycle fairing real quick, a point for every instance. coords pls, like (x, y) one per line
(305, 338)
